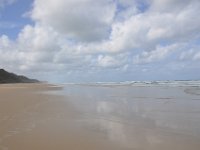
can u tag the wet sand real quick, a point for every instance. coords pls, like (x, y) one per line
(83, 117)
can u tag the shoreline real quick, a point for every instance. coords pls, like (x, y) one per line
(31, 119)
(36, 116)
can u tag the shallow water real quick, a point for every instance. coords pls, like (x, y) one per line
(100, 116)
(139, 117)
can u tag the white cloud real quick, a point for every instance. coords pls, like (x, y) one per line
(159, 53)
(193, 54)
(171, 5)
(9, 55)
(187, 55)
(38, 38)
(85, 20)
(107, 61)
(93, 36)
(4, 42)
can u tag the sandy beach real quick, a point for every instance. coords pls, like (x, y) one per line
(85, 117)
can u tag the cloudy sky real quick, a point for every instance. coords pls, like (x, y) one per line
(101, 40)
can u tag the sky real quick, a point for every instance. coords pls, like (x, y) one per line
(101, 41)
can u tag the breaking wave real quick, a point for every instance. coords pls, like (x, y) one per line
(194, 83)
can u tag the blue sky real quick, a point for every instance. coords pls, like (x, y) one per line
(13, 19)
(106, 40)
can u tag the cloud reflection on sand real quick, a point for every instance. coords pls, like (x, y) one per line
(138, 117)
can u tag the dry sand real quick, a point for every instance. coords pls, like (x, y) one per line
(98, 118)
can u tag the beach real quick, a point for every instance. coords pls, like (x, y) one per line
(99, 116)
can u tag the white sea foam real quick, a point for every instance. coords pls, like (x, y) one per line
(142, 83)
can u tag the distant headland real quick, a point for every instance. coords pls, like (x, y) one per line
(7, 77)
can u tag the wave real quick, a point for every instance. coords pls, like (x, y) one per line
(175, 83)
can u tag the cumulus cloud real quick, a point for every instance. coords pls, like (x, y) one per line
(107, 61)
(9, 55)
(155, 55)
(76, 36)
(187, 55)
(4, 42)
(85, 20)
(191, 55)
